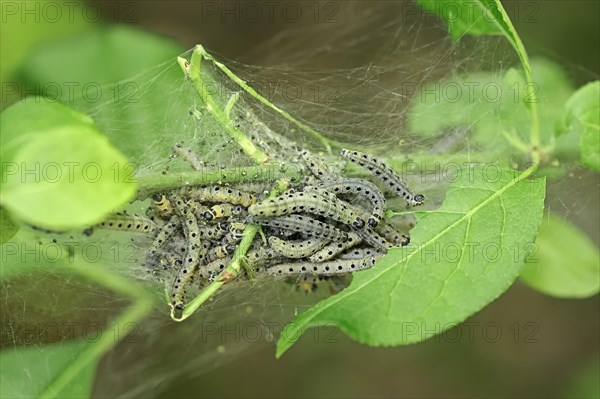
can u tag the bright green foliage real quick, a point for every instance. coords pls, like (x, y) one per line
(478, 18)
(564, 262)
(492, 105)
(118, 75)
(58, 170)
(105, 55)
(462, 257)
(43, 365)
(8, 228)
(19, 32)
(465, 17)
(583, 110)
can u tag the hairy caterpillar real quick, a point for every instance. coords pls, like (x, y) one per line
(385, 174)
(303, 224)
(296, 249)
(325, 269)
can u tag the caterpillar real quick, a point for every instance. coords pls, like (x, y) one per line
(303, 224)
(320, 169)
(330, 251)
(258, 255)
(219, 252)
(311, 202)
(324, 269)
(385, 230)
(163, 205)
(194, 253)
(235, 233)
(374, 239)
(214, 232)
(212, 269)
(125, 222)
(220, 194)
(166, 231)
(363, 188)
(359, 253)
(296, 249)
(307, 283)
(385, 174)
(198, 208)
(221, 211)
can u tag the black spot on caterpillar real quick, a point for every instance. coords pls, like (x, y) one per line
(385, 174)
(296, 249)
(219, 252)
(194, 253)
(359, 253)
(330, 251)
(165, 232)
(314, 202)
(220, 194)
(163, 205)
(359, 187)
(303, 224)
(374, 239)
(212, 269)
(384, 229)
(221, 211)
(324, 269)
(319, 168)
(124, 222)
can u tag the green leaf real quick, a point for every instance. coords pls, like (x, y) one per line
(485, 17)
(8, 228)
(477, 18)
(58, 170)
(491, 105)
(105, 55)
(465, 17)
(26, 372)
(564, 262)
(21, 31)
(583, 110)
(127, 79)
(462, 257)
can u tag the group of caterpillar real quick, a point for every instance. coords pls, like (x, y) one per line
(312, 229)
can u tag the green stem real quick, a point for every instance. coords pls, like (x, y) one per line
(149, 184)
(531, 96)
(142, 305)
(192, 70)
(233, 268)
(201, 52)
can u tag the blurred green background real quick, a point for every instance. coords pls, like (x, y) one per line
(523, 345)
